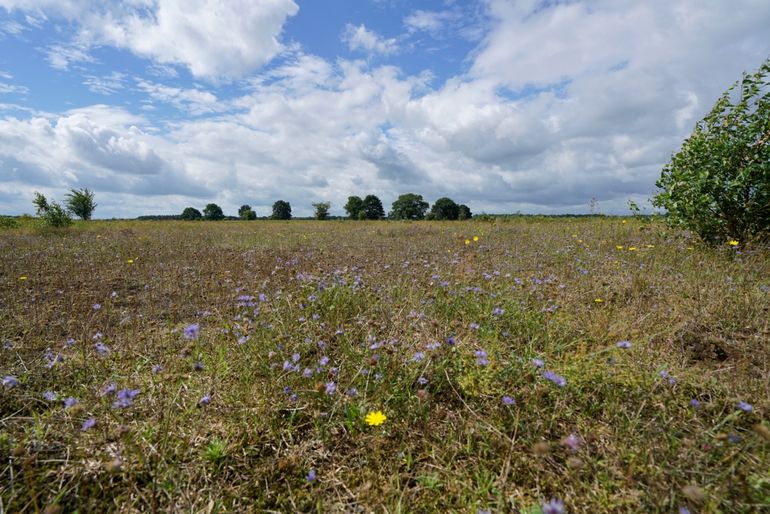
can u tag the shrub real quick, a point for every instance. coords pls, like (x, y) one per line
(322, 210)
(247, 213)
(81, 203)
(718, 185)
(51, 214)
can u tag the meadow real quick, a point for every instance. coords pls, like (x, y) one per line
(547, 365)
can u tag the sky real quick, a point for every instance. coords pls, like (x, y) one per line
(530, 106)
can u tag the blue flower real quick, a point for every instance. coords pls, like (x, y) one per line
(422, 380)
(623, 344)
(191, 331)
(745, 407)
(205, 399)
(419, 356)
(695, 404)
(97, 306)
(157, 368)
(553, 506)
(109, 389)
(88, 424)
(311, 476)
(507, 400)
(481, 357)
(323, 361)
(125, 398)
(50, 396)
(556, 379)
(101, 348)
(70, 402)
(538, 363)
(497, 311)
(10, 381)
(330, 388)
(451, 341)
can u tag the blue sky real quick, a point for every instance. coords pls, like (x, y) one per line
(505, 105)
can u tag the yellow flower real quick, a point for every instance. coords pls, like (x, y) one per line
(649, 246)
(618, 247)
(467, 241)
(130, 261)
(580, 240)
(23, 277)
(631, 248)
(475, 238)
(598, 300)
(733, 242)
(624, 222)
(375, 418)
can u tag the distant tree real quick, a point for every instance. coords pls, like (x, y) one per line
(213, 212)
(355, 207)
(322, 210)
(246, 213)
(464, 212)
(52, 214)
(409, 206)
(191, 213)
(81, 203)
(373, 209)
(445, 209)
(281, 210)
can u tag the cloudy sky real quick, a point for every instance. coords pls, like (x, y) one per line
(506, 105)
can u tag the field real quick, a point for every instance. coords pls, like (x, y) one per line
(612, 365)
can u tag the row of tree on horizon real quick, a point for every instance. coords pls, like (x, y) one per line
(409, 206)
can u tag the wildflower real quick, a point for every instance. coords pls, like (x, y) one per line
(734, 438)
(130, 261)
(352, 392)
(243, 339)
(311, 476)
(157, 368)
(109, 389)
(733, 242)
(695, 404)
(664, 374)
(474, 326)
(70, 402)
(598, 300)
(467, 241)
(70, 342)
(49, 396)
(205, 399)
(323, 361)
(23, 277)
(497, 311)
(631, 248)
(538, 363)
(556, 379)
(191, 331)
(88, 424)
(7, 345)
(375, 418)
(475, 239)
(418, 357)
(307, 373)
(330, 388)
(295, 357)
(51, 359)
(125, 398)
(422, 380)
(97, 306)
(683, 510)
(101, 348)
(451, 341)
(745, 407)
(618, 247)
(623, 344)
(553, 506)
(572, 442)
(199, 366)
(507, 400)
(481, 357)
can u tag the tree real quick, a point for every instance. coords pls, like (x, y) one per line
(718, 185)
(52, 214)
(281, 210)
(322, 210)
(191, 213)
(445, 209)
(464, 212)
(246, 213)
(409, 206)
(373, 209)
(355, 207)
(81, 203)
(213, 212)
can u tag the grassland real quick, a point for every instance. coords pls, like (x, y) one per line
(615, 366)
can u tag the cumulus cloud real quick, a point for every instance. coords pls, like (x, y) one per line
(361, 39)
(213, 39)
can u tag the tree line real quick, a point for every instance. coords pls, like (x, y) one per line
(409, 206)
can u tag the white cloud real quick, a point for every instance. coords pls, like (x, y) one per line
(193, 101)
(359, 38)
(105, 85)
(213, 39)
(13, 89)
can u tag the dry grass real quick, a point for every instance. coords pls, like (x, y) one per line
(374, 298)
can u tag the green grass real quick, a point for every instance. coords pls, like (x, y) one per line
(375, 298)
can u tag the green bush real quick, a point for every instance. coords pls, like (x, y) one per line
(718, 185)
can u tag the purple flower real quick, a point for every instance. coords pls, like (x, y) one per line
(295, 357)
(745, 407)
(352, 392)
(70, 342)
(51, 359)
(205, 399)
(88, 424)
(243, 339)
(664, 374)
(157, 368)
(10, 381)
(507, 400)
(623, 344)
(418, 357)
(422, 380)
(49, 396)
(307, 373)
(553, 506)
(70, 402)
(497, 311)
(684, 510)
(109, 389)
(481, 357)
(125, 398)
(734, 438)
(101, 348)
(538, 363)
(199, 366)
(331, 388)
(556, 379)
(191, 331)
(311, 476)
(451, 341)
(572, 442)
(474, 326)
(695, 404)
(97, 306)
(323, 361)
